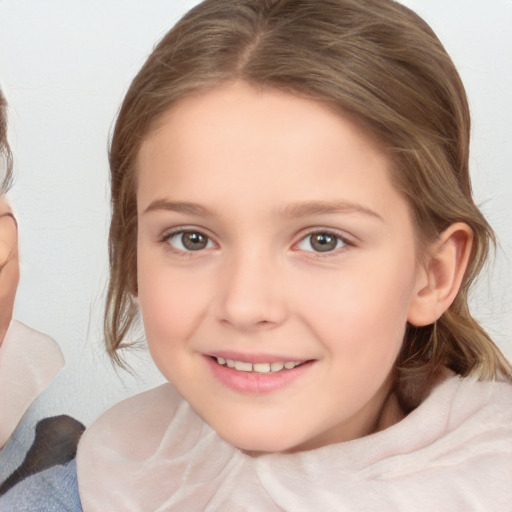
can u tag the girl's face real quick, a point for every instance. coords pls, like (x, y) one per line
(276, 267)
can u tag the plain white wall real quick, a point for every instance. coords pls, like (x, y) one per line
(64, 67)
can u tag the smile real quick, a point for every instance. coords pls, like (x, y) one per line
(257, 367)
(257, 374)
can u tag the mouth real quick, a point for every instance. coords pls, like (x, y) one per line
(258, 374)
(259, 368)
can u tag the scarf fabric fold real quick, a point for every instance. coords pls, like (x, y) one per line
(453, 452)
(29, 360)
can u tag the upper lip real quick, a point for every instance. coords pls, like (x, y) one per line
(256, 358)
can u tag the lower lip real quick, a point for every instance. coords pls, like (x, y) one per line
(256, 383)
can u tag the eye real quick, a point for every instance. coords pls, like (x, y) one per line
(321, 242)
(188, 241)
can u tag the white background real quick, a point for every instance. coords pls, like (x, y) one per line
(64, 67)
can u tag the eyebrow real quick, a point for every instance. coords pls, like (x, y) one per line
(301, 209)
(179, 207)
(306, 208)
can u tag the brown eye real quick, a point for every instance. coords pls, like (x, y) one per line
(321, 242)
(194, 241)
(189, 241)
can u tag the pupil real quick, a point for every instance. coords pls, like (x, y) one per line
(323, 242)
(194, 241)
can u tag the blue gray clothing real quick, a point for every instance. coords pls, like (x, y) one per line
(37, 466)
(52, 490)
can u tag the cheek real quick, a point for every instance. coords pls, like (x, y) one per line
(365, 315)
(171, 303)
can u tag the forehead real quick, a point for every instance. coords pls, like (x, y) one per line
(209, 101)
(235, 141)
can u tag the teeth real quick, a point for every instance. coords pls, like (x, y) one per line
(261, 367)
(258, 367)
(275, 367)
(243, 367)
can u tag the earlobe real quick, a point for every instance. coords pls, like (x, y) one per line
(441, 276)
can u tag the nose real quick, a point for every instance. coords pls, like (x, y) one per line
(252, 293)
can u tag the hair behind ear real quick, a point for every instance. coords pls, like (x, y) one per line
(456, 341)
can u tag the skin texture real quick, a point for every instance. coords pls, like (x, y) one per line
(263, 170)
(9, 269)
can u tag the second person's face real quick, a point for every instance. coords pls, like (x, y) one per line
(9, 266)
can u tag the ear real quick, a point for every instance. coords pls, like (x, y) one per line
(440, 277)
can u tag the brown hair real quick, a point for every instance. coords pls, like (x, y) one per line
(5, 151)
(372, 59)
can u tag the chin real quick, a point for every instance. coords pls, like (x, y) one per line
(260, 442)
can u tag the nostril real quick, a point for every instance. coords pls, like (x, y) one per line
(247, 324)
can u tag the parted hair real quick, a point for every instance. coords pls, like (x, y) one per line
(5, 152)
(374, 60)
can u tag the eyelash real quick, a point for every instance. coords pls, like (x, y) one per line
(165, 239)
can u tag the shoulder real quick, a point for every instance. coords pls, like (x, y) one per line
(473, 453)
(36, 357)
(479, 404)
(134, 447)
(461, 432)
(461, 444)
(459, 409)
(31, 351)
(25, 334)
(130, 419)
(453, 452)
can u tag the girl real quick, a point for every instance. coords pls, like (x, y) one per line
(292, 216)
